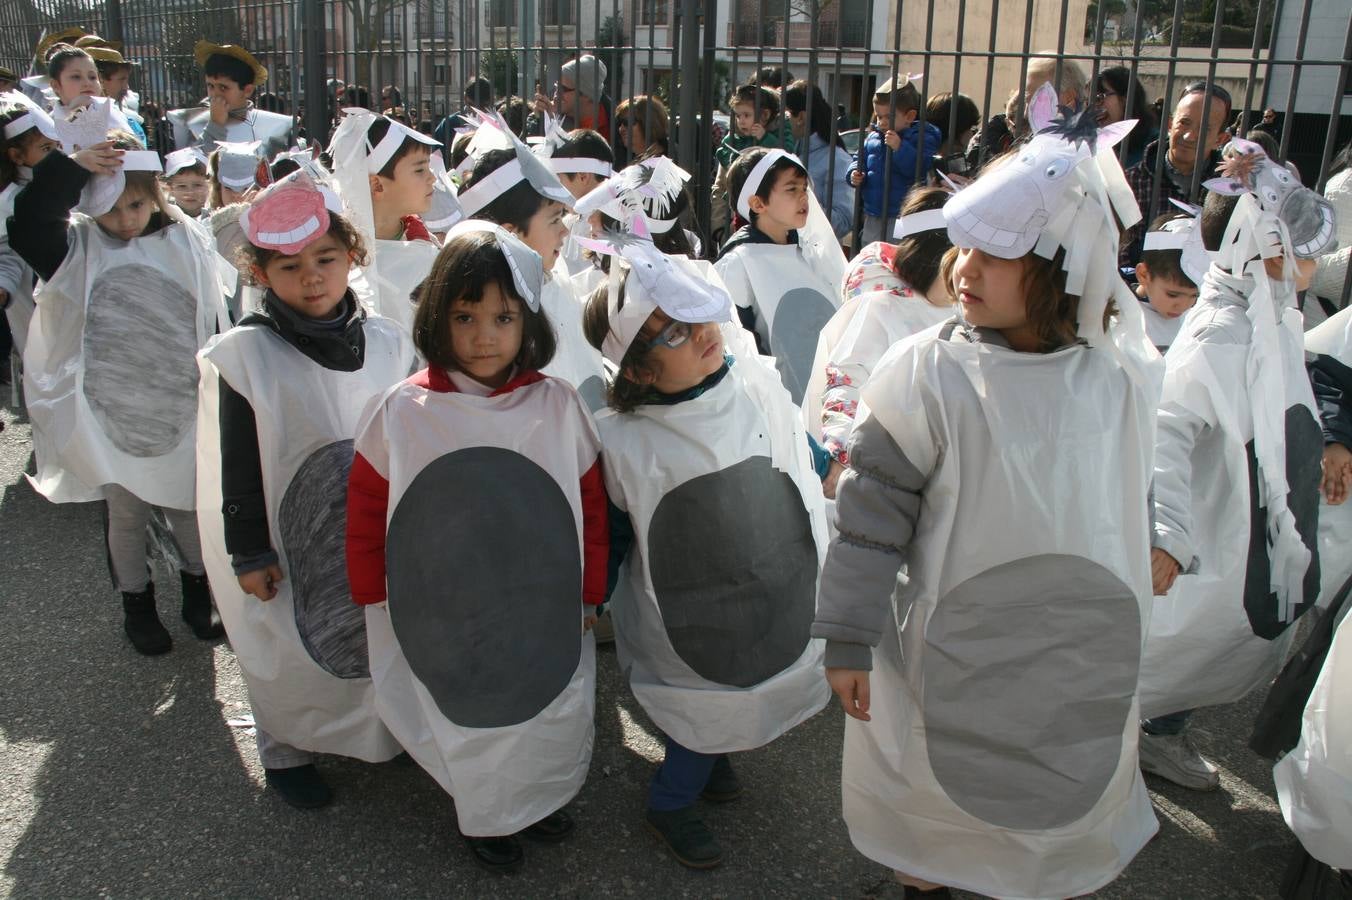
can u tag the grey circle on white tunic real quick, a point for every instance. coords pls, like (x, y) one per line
(593, 393)
(140, 375)
(484, 578)
(312, 520)
(799, 318)
(1029, 673)
(734, 566)
(1304, 472)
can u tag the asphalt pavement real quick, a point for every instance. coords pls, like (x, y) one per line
(122, 776)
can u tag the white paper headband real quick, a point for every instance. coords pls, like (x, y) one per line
(572, 165)
(34, 118)
(753, 181)
(378, 157)
(491, 187)
(916, 223)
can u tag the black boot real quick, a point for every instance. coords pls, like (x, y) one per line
(197, 611)
(142, 624)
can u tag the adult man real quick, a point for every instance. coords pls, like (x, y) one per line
(1071, 87)
(579, 96)
(232, 76)
(1189, 139)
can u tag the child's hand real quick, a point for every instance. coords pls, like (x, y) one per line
(262, 583)
(758, 131)
(588, 621)
(893, 139)
(1337, 473)
(851, 686)
(832, 477)
(101, 159)
(856, 177)
(1163, 571)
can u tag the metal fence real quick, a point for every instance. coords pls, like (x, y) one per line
(1289, 55)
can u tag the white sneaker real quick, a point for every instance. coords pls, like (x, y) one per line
(1174, 758)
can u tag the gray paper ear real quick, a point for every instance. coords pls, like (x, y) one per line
(541, 176)
(528, 269)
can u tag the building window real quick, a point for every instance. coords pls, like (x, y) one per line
(654, 12)
(501, 13)
(558, 12)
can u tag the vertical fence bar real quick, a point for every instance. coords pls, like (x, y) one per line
(1290, 110)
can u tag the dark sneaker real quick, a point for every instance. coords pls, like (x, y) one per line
(496, 854)
(684, 833)
(197, 609)
(300, 786)
(723, 786)
(551, 829)
(142, 624)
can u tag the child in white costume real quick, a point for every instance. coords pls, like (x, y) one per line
(483, 666)
(1237, 466)
(132, 293)
(281, 396)
(706, 457)
(998, 754)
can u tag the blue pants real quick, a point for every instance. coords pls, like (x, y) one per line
(1173, 723)
(680, 778)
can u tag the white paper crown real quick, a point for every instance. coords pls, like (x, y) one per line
(496, 134)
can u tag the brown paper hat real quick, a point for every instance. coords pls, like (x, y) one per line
(106, 53)
(8, 74)
(204, 50)
(90, 41)
(64, 36)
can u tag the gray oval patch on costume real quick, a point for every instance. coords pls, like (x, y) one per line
(799, 319)
(1304, 472)
(312, 520)
(734, 567)
(484, 571)
(140, 374)
(1030, 669)
(593, 393)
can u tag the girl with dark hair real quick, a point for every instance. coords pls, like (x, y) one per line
(458, 471)
(828, 164)
(1111, 89)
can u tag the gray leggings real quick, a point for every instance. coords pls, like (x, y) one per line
(128, 516)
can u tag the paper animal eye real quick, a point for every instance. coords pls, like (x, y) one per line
(1270, 194)
(1282, 175)
(1056, 168)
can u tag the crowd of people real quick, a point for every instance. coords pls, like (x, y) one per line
(430, 410)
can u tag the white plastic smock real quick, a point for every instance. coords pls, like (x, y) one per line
(715, 601)
(575, 360)
(1222, 630)
(1001, 756)
(303, 653)
(1333, 337)
(109, 370)
(400, 267)
(482, 669)
(794, 290)
(19, 311)
(1314, 780)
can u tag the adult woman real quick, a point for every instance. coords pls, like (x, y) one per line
(1110, 94)
(952, 156)
(826, 161)
(642, 127)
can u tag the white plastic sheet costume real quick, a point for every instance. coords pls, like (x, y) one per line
(1314, 780)
(1001, 756)
(794, 289)
(397, 267)
(109, 374)
(511, 743)
(715, 599)
(1238, 471)
(303, 653)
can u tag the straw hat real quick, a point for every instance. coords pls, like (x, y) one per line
(93, 40)
(204, 50)
(64, 36)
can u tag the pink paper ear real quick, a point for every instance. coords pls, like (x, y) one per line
(1226, 186)
(1043, 108)
(1247, 147)
(1110, 135)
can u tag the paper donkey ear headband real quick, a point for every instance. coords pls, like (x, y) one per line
(757, 176)
(183, 159)
(33, 117)
(647, 189)
(1183, 234)
(656, 280)
(528, 269)
(237, 164)
(378, 157)
(1307, 217)
(290, 215)
(496, 134)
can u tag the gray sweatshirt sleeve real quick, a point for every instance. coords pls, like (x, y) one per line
(877, 507)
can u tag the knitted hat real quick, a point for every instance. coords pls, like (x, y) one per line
(588, 75)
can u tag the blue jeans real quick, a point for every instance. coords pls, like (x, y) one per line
(1173, 723)
(680, 778)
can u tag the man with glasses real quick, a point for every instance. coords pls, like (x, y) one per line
(1187, 143)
